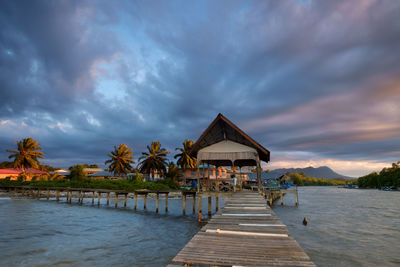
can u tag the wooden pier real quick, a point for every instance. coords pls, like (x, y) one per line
(77, 195)
(245, 232)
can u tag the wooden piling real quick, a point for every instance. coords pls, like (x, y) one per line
(125, 200)
(209, 206)
(184, 205)
(281, 199)
(144, 201)
(135, 201)
(216, 203)
(296, 198)
(116, 200)
(199, 204)
(92, 197)
(166, 202)
(194, 204)
(108, 198)
(70, 196)
(58, 195)
(98, 198)
(157, 201)
(48, 194)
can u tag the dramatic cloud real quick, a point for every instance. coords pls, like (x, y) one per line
(316, 82)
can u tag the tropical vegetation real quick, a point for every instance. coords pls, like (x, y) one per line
(120, 184)
(301, 179)
(173, 173)
(121, 160)
(27, 154)
(77, 172)
(386, 177)
(185, 161)
(154, 160)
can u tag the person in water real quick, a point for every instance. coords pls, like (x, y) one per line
(200, 216)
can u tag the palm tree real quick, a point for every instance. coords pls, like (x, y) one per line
(27, 154)
(173, 172)
(153, 160)
(121, 160)
(185, 161)
(184, 158)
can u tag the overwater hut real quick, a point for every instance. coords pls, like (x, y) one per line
(225, 144)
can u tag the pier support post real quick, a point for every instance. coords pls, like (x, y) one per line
(199, 204)
(194, 204)
(209, 206)
(166, 202)
(98, 198)
(125, 200)
(184, 205)
(216, 203)
(116, 199)
(48, 194)
(157, 201)
(92, 197)
(23, 191)
(144, 201)
(135, 201)
(58, 195)
(70, 196)
(108, 198)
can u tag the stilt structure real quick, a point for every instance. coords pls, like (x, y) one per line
(224, 144)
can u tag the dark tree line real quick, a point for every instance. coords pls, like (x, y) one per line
(386, 177)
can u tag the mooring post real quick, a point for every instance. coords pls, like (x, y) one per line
(209, 206)
(135, 201)
(144, 201)
(98, 198)
(57, 195)
(166, 202)
(184, 204)
(216, 203)
(92, 197)
(125, 200)
(194, 203)
(70, 196)
(108, 198)
(116, 199)
(38, 193)
(296, 198)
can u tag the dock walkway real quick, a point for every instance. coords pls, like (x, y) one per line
(245, 232)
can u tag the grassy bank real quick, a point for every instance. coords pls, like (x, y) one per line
(98, 184)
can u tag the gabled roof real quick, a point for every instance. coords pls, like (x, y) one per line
(223, 129)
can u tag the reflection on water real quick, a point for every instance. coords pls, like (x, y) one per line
(346, 227)
(47, 233)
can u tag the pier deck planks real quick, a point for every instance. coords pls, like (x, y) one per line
(244, 246)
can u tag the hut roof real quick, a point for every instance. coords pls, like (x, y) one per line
(223, 129)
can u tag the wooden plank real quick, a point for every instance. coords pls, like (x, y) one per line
(245, 232)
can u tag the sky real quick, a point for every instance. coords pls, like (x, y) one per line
(315, 82)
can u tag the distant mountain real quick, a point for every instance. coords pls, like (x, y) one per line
(320, 172)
